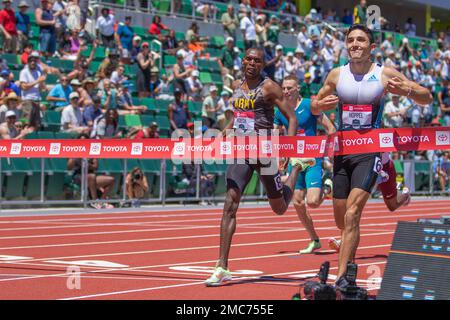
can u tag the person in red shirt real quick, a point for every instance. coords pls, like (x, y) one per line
(148, 133)
(26, 52)
(8, 27)
(156, 27)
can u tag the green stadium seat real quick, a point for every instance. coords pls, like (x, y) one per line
(52, 120)
(12, 60)
(147, 119)
(169, 61)
(205, 77)
(163, 122)
(13, 182)
(133, 120)
(46, 135)
(162, 106)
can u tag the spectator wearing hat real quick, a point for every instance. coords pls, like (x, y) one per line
(87, 92)
(145, 63)
(194, 86)
(46, 21)
(92, 112)
(178, 112)
(125, 101)
(32, 82)
(60, 93)
(291, 64)
(23, 25)
(260, 28)
(247, 26)
(164, 90)
(279, 64)
(180, 73)
(228, 57)
(105, 28)
(196, 43)
(154, 81)
(109, 64)
(210, 108)
(148, 133)
(10, 128)
(124, 37)
(299, 54)
(8, 27)
(118, 77)
(11, 103)
(387, 43)
(72, 118)
(230, 21)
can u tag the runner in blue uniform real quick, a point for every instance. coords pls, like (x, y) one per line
(309, 182)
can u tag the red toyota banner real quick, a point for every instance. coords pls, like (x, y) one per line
(340, 143)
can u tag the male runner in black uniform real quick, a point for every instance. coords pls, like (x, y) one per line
(360, 86)
(253, 102)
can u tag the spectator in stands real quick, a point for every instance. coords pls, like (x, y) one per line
(107, 125)
(170, 43)
(109, 65)
(135, 48)
(189, 56)
(156, 27)
(180, 73)
(347, 18)
(247, 26)
(178, 112)
(92, 112)
(230, 21)
(32, 82)
(61, 20)
(72, 118)
(195, 42)
(73, 12)
(10, 129)
(302, 37)
(108, 95)
(291, 64)
(410, 28)
(279, 64)
(387, 43)
(105, 28)
(87, 92)
(46, 21)
(305, 88)
(81, 65)
(145, 64)
(441, 168)
(125, 101)
(148, 133)
(444, 102)
(271, 59)
(302, 64)
(273, 29)
(163, 91)
(11, 103)
(118, 77)
(23, 25)
(210, 108)
(359, 12)
(75, 44)
(95, 182)
(194, 86)
(136, 185)
(8, 28)
(76, 85)
(64, 50)
(260, 29)
(7, 83)
(204, 9)
(394, 113)
(227, 58)
(60, 93)
(26, 52)
(124, 36)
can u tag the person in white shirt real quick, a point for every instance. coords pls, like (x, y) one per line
(72, 118)
(390, 59)
(394, 113)
(387, 44)
(194, 86)
(301, 38)
(118, 77)
(247, 26)
(328, 55)
(302, 64)
(105, 28)
(410, 28)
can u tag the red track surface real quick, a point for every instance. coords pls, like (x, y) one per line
(160, 249)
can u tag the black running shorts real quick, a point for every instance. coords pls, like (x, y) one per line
(355, 171)
(239, 175)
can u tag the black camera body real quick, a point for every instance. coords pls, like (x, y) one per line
(351, 291)
(314, 290)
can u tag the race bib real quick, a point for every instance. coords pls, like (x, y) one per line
(301, 133)
(356, 116)
(244, 120)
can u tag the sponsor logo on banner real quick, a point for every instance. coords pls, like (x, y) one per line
(55, 148)
(266, 146)
(95, 149)
(413, 139)
(357, 142)
(16, 148)
(301, 146)
(386, 140)
(442, 138)
(136, 148)
(225, 147)
(179, 148)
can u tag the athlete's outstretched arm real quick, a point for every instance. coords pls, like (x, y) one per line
(396, 83)
(273, 93)
(326, 123)
(325, 100)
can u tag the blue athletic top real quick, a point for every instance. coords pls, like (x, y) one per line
(306, 120)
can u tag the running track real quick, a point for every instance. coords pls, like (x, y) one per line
(167, 254)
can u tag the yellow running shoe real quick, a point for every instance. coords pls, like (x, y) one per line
(303, 163)
(312, 246)
(218, 277)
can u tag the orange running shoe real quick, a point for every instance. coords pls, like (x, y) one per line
(334, 244)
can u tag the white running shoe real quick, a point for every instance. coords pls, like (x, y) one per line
(334, 244)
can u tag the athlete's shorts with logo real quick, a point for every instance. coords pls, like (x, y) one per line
(389, 188)
(311, 178)
(355, 171)
(239, 175)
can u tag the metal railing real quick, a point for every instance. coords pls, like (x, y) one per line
(418, 176)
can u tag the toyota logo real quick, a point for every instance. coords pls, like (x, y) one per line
(386, 140)
(179, 148)
(442, 137)
(225, 147)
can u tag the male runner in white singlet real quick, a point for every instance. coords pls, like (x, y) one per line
(360, 86)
